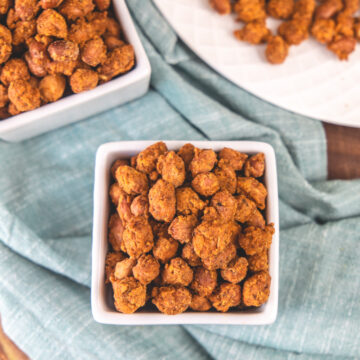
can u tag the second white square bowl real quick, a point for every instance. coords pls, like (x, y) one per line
(74, 107)
(101, 297)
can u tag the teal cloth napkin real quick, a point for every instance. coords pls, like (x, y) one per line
(46, 188)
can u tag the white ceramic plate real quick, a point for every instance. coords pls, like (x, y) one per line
(311, 82)
(101, 296)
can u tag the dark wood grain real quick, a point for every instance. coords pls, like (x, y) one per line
(343, 147)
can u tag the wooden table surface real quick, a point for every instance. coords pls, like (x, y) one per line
(343, 163)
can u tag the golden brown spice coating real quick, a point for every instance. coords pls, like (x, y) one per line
(162, 201)
(342, 46)
(253, 189)
(234, 158)
(357, 30)
(323, 30)
(4, 6)
(171, 167)
(146, 269)
(200, 303)
(26, 9)
(13, 110)
(115, 193)
(5, 50)
(24, 95)
(129, 294)
(116, 230)
(203, 161)
(124, 268)
(328, 8)
(63, 50)
(140, 206)
(102, 4)
(81, 31)
(5, 34)
(110, 263)
(210, 214)
(113, 27)
(37, 57)
(256, 289)
(255, 240)
(223, 7)
(304, 9)
(133, 182)
(258, 262)
(250, 10)
(292, 32)
(112, 42)
(165, 248)
(51, 23)
(4, 98)
(226, 296)
(188, 201)
(204, 282)
(236, 270)
(177, 272)
(94, 52)
(115, 166)
(235, 231)
(255, 165)
(188, 253)
(344, 24)
(98, 21)
(171, 300)
(276, 50)
(280, 9)
(187, 152)
(11, 19)
(123, 205)
(138, 237)
(83, 80)
(23, 31)
(14, 69)
(245, 208)
(146, 159)
(52, 87)
(256, 219)
(225, 205)
(211, 238)
(119, 61)
(73, 9)
(226, 176)
(49, 4)
(61, 67)
(254, 32)
(220, 261)
(206, 184)
(182, 227)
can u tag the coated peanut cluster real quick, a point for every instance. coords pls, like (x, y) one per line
(187, 231)
(52, 48)
(330, 22)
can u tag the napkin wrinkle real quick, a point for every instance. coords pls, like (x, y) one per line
(160, 34)
(275, 353)
(46, 253)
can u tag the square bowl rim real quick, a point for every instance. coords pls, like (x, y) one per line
(262, 316)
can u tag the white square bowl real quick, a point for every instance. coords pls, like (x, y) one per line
(72, 108)
(103, 309)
